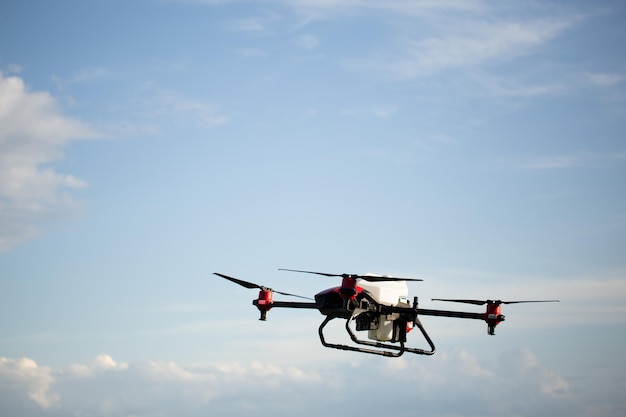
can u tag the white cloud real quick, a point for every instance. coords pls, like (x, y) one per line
(250, 24)
(381, 111)
(503, 87)
(453, 382)
(259, 23)
(308, 41)
(603, 79)
(24, 385)
(14, 68)
(85, 75)
(474, 44)
(33, 134)
(252, 53)
(105, 387)
(385, 112)
(325, 9)
(179, 106)
(572, 160)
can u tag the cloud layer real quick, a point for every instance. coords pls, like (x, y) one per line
(453, 383)
(33, 134)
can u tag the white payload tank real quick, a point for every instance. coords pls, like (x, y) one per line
(388, 293)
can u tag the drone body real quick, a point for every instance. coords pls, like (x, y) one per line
(378, 305)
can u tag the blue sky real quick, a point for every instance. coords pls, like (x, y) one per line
(145, 145)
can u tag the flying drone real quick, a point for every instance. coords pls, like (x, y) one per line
(378, 305)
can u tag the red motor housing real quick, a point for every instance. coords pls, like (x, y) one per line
(348, 288)
(493, 316)
(264, 303)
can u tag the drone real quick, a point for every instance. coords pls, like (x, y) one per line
(378, 305)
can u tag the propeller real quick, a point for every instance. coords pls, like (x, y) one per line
(496, 302)
(366, 277)
(251, 285)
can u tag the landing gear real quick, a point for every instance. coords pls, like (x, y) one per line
(369, 320)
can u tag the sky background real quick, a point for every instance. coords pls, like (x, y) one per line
(144, 145)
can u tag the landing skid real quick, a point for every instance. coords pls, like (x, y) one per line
(392, 350)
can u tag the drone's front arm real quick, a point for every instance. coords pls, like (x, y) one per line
(264, 305)
(492, 318)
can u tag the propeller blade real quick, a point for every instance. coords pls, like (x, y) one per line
(481, 302)
(252, 285)
(311, 272)
(530, 301)
(454, 300)
(241, 282)
(366, 277)
(379, 278)
(291, 295)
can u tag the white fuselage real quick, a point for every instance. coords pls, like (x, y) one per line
(390, 293)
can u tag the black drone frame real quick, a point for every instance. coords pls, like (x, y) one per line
(347, 303)
(406, 315)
